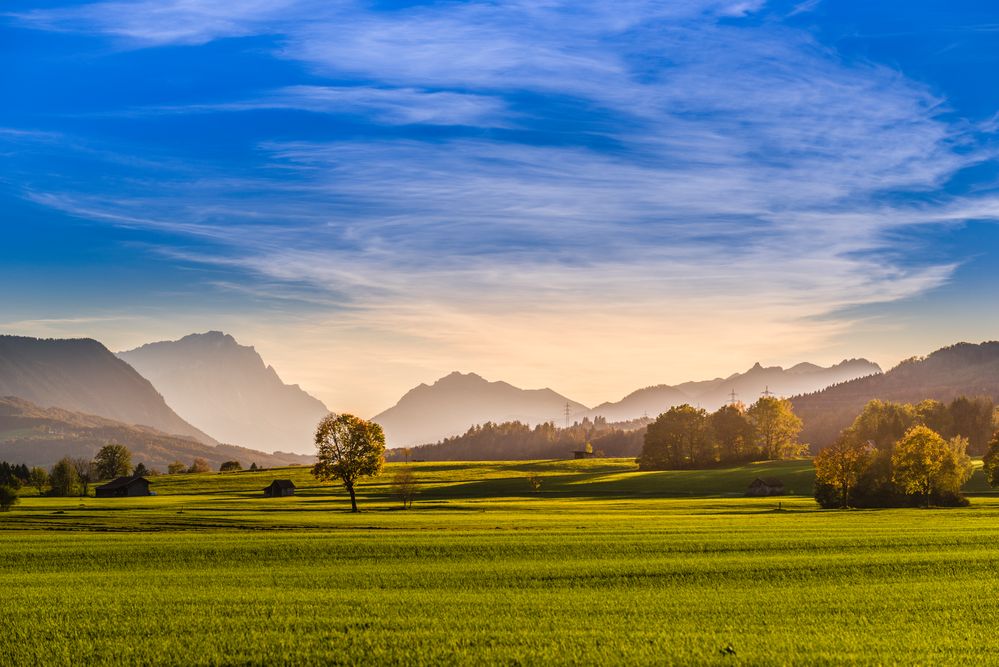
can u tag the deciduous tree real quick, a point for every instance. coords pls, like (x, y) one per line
(923, 463)
(678, 438)
(991, 461)
(775, 427)
(347, 449)
(112, 461)
(404, 486)
(199, 465)
(230, 466)
(38, 478)
(176, 468)
(8, 497)
(85, 473)
(733, 434)
(62, 478)
(841, 466)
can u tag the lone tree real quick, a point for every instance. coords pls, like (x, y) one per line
(140, 470)
(404, 487)
(349, 448)
(230, 466)
(176, 468)
(8, 497)
(113, 461)
(199, 465)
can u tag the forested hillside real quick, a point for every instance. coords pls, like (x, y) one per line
(959, 370)
(41, 436)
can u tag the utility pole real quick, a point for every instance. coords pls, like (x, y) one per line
(567, 413)
(733, 398)
(767, 393)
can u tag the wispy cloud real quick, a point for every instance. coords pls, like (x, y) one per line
(653, 163)
(389, 106)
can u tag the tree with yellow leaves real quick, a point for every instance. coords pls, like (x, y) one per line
(841, 466)
(924, 464)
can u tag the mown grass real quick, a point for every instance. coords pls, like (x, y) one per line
(207, 573)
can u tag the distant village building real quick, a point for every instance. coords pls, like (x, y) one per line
(124, 487)
(279, 488)
(765, 487)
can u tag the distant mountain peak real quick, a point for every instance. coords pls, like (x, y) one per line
(229, 389)
(81, 374)
(457, 401)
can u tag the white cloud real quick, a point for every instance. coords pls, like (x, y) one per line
(726, 167)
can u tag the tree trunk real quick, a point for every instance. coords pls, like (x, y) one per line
(353, 500)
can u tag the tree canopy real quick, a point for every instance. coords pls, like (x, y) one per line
(348, 448)
(924, 464)
(112, 461)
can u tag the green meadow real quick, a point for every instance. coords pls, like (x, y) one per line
(605, 565)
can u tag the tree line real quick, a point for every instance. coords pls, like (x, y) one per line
(903, 454)
(685, 437)
(516, 440)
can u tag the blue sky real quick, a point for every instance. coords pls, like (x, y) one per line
(590, 196)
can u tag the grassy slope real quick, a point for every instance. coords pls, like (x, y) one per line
(483, 572)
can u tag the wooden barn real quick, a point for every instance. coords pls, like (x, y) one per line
(765, 487)
(279, 488)
(124, 487)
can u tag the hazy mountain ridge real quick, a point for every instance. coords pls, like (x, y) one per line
(83, 375)
(226, 389)
(430, 413)
(41, 436)
(963, 369)
(712, 394)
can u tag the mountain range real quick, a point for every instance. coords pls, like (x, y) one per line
(450, 405)
(227, 390)
(84, 376)
(40, 436)
(748, 386)
(964, 369)
(189, 394)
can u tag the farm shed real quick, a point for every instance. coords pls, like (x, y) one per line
(765, 487)
(124, 487)
(279, 488)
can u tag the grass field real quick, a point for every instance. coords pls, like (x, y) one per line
(605, 565)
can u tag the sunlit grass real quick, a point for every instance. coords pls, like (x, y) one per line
(207, 572)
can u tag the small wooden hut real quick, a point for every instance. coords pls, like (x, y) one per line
(279, 488)
(124, 487)
(770, 486)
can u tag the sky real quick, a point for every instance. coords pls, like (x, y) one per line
(588, 196)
